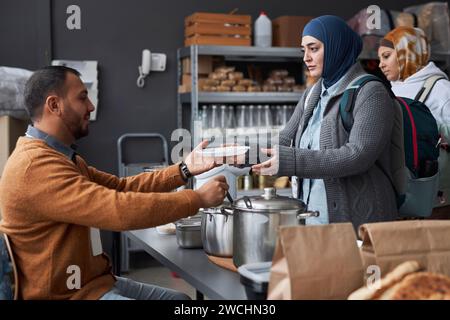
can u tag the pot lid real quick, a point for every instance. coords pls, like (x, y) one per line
(269, 202)
(186, 223)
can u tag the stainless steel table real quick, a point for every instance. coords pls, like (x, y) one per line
(192, 265)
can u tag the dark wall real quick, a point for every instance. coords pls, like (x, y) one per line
(25, 33)
(114, 32)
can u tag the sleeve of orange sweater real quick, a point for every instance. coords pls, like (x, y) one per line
(56, 190)
(158, 181)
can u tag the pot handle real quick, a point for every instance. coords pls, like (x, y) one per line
(248, 203)
(307, 214)
(226, 211)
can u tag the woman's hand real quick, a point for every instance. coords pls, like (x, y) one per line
(269, 167)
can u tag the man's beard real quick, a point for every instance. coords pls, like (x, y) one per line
(80, 133)
(76, 127)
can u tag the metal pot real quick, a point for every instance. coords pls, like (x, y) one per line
(217, 231)
(188, 233)
(255, 223)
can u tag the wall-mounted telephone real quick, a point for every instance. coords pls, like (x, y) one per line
(150, 62)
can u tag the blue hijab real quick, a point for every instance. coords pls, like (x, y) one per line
(342, 46)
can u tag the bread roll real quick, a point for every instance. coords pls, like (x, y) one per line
(223, 89)
(239, 88)
(420, 286)
(254, 89)
(289, 81)
(209, 88)
(235, 76)
(269, 88)
(218, 76)
(274, 81)
(228, 83)
(212, 82)
(284, 88)
(224, 69)
(279, 73)
(245, 82)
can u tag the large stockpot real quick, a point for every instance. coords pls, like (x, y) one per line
(217, 231)
(255, 223)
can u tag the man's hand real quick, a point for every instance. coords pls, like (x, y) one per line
(269, 167)
(213, 192)
(197, 163)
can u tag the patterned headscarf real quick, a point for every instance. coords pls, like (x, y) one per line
(412, 47)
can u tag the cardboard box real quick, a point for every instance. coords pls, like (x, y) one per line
(203, 28)
(205, 65)
(186, 83)
(287, 30)
(10, 130)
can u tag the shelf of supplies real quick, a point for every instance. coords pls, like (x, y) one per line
(275, 53)
(238, 97)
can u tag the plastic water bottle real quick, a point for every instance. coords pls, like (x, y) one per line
(263, 31)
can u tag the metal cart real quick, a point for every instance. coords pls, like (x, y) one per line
(122, 246)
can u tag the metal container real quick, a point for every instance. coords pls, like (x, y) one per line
(255, 223)
(188, 233)
(217, 231)
(248, 182)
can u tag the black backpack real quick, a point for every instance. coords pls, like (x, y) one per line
(420, 130)
(420, 148)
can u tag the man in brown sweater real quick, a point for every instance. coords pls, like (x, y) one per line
(53, 203)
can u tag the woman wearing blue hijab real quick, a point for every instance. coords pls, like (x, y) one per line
(338, 173)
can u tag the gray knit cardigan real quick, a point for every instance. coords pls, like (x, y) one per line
(358, 191)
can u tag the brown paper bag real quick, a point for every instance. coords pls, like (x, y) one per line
(315, 262)
(387, 244)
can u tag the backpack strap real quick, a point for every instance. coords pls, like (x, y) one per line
(348, 99)
(423, 94)
(346, 106)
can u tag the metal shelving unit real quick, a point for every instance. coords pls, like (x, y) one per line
(238, 97)
(231, 53)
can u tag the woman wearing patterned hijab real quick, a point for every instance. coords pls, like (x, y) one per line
(339, 173)
(404, 59)
(411, 48)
